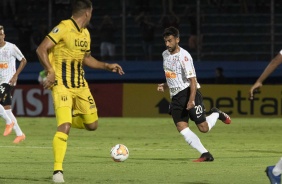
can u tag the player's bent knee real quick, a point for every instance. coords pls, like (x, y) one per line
(90, 121)
(92, 126)
(204, 130)
(203, 127)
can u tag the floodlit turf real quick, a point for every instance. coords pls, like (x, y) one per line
(158, 153)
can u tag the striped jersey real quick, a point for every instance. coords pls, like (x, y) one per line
(71, 44)
(178, 69)
(8, 55)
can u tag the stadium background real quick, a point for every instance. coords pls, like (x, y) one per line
(239, 36)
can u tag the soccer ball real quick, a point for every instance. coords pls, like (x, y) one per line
(119, 153)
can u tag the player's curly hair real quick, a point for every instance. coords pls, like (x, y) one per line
(171, 31)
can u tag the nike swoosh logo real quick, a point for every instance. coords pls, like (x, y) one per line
(199, 116)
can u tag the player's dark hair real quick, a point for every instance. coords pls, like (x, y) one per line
(171, 31)
(79, 5)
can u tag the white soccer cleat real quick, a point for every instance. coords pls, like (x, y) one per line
(58, 177)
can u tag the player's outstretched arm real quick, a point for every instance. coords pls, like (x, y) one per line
(255, 88)
(274, 63)
(94, 63)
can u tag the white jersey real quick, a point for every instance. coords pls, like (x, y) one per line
(8, 55)
(178, 69)
(281, 52)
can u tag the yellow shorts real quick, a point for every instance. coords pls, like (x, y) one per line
(74, 102)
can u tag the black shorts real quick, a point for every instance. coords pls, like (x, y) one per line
(5, 94)
(178, 106)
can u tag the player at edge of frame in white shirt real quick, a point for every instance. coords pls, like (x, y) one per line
(273, 172)
(9, 53)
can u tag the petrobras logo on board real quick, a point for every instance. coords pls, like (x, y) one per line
(235, 101)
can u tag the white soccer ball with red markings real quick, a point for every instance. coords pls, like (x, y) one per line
(119, 153)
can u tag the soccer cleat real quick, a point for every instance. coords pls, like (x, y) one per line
(273, 179)
(205, 157)
(8, 129)
(18, 139)
(58, 177)
(222, 116)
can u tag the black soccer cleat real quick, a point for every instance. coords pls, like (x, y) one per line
(222, 116)
(205, 157)
(272, 178)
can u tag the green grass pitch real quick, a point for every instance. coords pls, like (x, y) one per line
(158, 153)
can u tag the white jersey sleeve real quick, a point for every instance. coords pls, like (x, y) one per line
(280, 52)
(18, 53)
(186, 62)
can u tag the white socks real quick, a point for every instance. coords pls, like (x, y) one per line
(211, 120)
(277, 170)
(16, 127)
(193, 140)
(4, 115)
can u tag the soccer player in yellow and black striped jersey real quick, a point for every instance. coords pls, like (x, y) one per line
(63, 53)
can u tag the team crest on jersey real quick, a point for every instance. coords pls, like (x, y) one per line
(55, 30)
(185, 58)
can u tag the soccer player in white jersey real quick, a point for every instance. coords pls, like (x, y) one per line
(186, 99)
(8, 79)
(272, 172)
